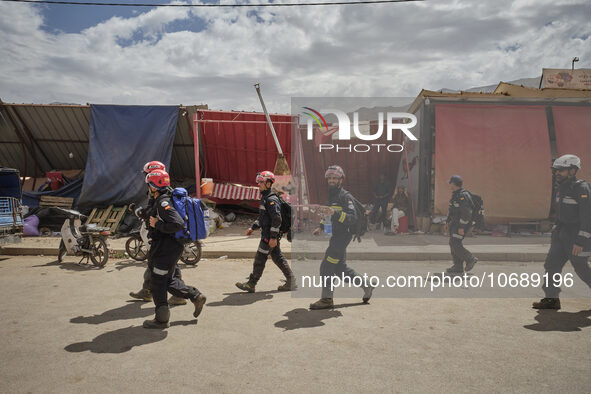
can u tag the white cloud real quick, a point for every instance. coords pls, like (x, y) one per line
(377, 50)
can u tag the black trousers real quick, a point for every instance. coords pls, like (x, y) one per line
(334, 262)
(458, 252)
(560, 252)
(260, 260)
(163, 279)
(148, 275)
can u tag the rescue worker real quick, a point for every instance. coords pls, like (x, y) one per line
(269, 221)
(143, 213)
(459, 220)
(571, 233)
(342, 213)
(165, 251)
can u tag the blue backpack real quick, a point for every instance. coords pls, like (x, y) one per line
(191, 211)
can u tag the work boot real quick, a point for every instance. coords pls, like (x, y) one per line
(471, 264)
(246, 286)
(454, 270)
(160, 319)
(288, 285)
(323, 303)
(174, 300)
(155, 324)
(199, 302)
(367, 292)
(143, 294)
(547, 303)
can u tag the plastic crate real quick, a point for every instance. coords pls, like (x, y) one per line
(10, 214)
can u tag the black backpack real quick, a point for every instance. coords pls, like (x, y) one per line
(286, 217)
(477, 210)
(359, 228)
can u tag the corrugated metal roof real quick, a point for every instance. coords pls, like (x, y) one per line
(524, 91)
(39, 138)
(506, 92)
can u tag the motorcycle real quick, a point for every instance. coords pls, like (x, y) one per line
(138, 245)
(88, 241)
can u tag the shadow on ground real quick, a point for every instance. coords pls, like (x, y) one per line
(121, 265)
(70, 265)
(241, 299)
(305, 318)
(552, 320)
(131, 310)
(129, 263)
(119, 341)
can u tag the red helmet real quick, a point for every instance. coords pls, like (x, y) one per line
(153, 165)
(158, 179)
(265, 176)
(334, 170)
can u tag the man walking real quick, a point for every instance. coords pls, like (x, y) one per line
(269, 221)
(342, 213)
(572, 230)
(143, 213)
(165, 251)
(459, 220)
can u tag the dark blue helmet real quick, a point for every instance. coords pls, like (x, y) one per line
(456, 180)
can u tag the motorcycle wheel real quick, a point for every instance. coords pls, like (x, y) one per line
(100, 253)
(192, 253)
(136, 249)
(62, 252)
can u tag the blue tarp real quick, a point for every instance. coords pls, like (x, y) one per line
(122, 140)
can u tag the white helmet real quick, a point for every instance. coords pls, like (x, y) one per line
(567, 161)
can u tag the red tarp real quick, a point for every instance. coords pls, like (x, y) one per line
(573, 135)
(501, 151)
(239, 144)
(361, 169)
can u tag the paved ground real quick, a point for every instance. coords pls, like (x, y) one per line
(232, 243)
(70, 328)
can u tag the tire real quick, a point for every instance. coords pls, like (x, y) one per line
(192, 253)
(100, 253)
(136, 249)
(62, 252)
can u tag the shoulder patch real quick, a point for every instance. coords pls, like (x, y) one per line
(584, 195)
(350, 204)
(164, 204)
(272, 203)
(461, 198)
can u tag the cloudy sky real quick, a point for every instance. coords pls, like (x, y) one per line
(133, 55)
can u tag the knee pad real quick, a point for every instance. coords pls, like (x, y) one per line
(162, 313)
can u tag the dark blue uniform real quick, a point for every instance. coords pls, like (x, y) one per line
(165, 251)
(269, 221)
(144, 214)
(459, 217)
(334, 262)
(572, 226)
